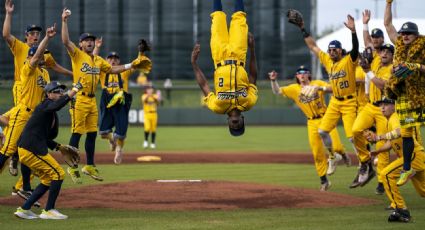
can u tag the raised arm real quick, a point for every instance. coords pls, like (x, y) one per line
(50, 33)
(65, 33)
(253, 60)
(296, 18)
(9, 7)
(97, 45)
(199, 75)
(354, 53)
(366, 36)
(388, 22)
(273, 81)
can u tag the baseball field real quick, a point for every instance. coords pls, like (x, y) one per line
(262, 180)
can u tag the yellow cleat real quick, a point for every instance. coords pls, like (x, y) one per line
(91, 170)
(405, 176)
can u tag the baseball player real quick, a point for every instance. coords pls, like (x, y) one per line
(150, 102)
(406, 84)
(20, 50)
(33, 79)
(390, 174)
(37, 136)
(313, 106)
(145, 65)
(235, 91)
(87, 69)
(343, 103)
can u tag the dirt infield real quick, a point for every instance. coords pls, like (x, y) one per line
(199, 195)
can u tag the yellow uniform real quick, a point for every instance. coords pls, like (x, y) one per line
(113, 83)
(360, 89)
(391, 173)
(371, 114)
(86, 70)
(343, 102)
(150, 115)
(144, 69)
(33, 80)
(228, 49)
(20, 52)
(314, 108)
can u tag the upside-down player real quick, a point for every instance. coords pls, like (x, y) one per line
(313, 106)
(235, 91)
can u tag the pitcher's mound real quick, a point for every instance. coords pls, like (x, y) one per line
(196, 195)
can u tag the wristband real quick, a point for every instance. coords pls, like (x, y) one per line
(57, 147)
(127, 66)
(305, 33)
(75, 89)
(370, 75)
(365, 27)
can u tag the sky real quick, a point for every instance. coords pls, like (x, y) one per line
(329, 17)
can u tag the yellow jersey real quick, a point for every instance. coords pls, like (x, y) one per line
(342, 75)
(113, 85)
(382, 72)
(20, 53)
(150, 103)
(33, 80)
(312, 107)
(87, 69)
(397, 144)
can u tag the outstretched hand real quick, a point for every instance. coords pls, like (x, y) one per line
(51, 31)
(350, 23)
(366, 16)
(273, 75)
(65, 14)
(9, 7)
(195, 53)
(98, 42)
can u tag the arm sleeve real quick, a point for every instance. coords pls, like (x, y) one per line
(354, 53)
(54, 106)
(51, 144)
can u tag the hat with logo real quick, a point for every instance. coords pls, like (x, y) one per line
(385, 100)
(377, 33)
(388, 47)
(85, 36)
(33, 27)
(409, 27)
(302, 70)
(335, 44)
(53, 87)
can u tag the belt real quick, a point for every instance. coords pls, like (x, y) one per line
(315, 117)
(344, 98)
(87, 94)
(229, 62)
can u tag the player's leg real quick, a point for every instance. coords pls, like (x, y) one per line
(408, 147)
(238, 33)
(120, 116)
(339, 148)
(154, 123)
(78, 122)
(219, 33)
(147, 127)
(320, 160)
(384, 157)
(389, 176)
(106, 122)
(418, 180)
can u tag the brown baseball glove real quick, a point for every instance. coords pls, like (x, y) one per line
(295, 17)
(70, 154)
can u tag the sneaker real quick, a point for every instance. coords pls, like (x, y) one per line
(325, 186)
(346, 159)
(91, 170)
(75, 175)
(355, 182)
(14, 191)
(400, 215)
(380, 189)
(118, 155)
(145, 144)
(332, 163)
(26, 195)
(52, 214)
(405, 176)
(112, 144)
(153, 145)
(366, 173)
(13, 166)
(25, 214)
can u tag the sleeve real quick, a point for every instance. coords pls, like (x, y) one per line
(51, 144)
(50, 61)
(17, 45)
(325, 60)
(54, 106)
(284, 91)
(26, 70)
(354, 53)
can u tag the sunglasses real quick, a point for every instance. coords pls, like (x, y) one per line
(57, 91)
(406, 33)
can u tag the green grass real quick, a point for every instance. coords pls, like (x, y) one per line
(217, 139)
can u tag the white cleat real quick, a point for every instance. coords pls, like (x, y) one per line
(145, 144)
(52, 214)
(153, 146)
(25, 214)
(332, 163)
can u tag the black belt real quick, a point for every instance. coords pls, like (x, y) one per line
(344, 98)
(315, 117)
(151, 112)
(229, 62)
(88, 94)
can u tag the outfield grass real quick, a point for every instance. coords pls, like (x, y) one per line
(217, 139)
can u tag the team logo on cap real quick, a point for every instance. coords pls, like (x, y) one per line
(405, 26)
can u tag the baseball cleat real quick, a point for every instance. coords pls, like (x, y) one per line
(25, 214)
(366, 173)
(52, 214)
(91, 170)
(325, 186)
(153, 146)
(405, 176)
(14, 191)
(355, 182)
(13, 166)
(332, 163)
(400, 215)
(118, 155)
(380, 190)
(74, 174)
(145, 144)
(346, 159)
(26, 195)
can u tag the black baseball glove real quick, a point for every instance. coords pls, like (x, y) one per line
(366, 58)
(295, 17)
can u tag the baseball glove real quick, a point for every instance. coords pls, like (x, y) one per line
(295, 17)
(366, 58)
(402, 71)
(370, 136)
(70, 154)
